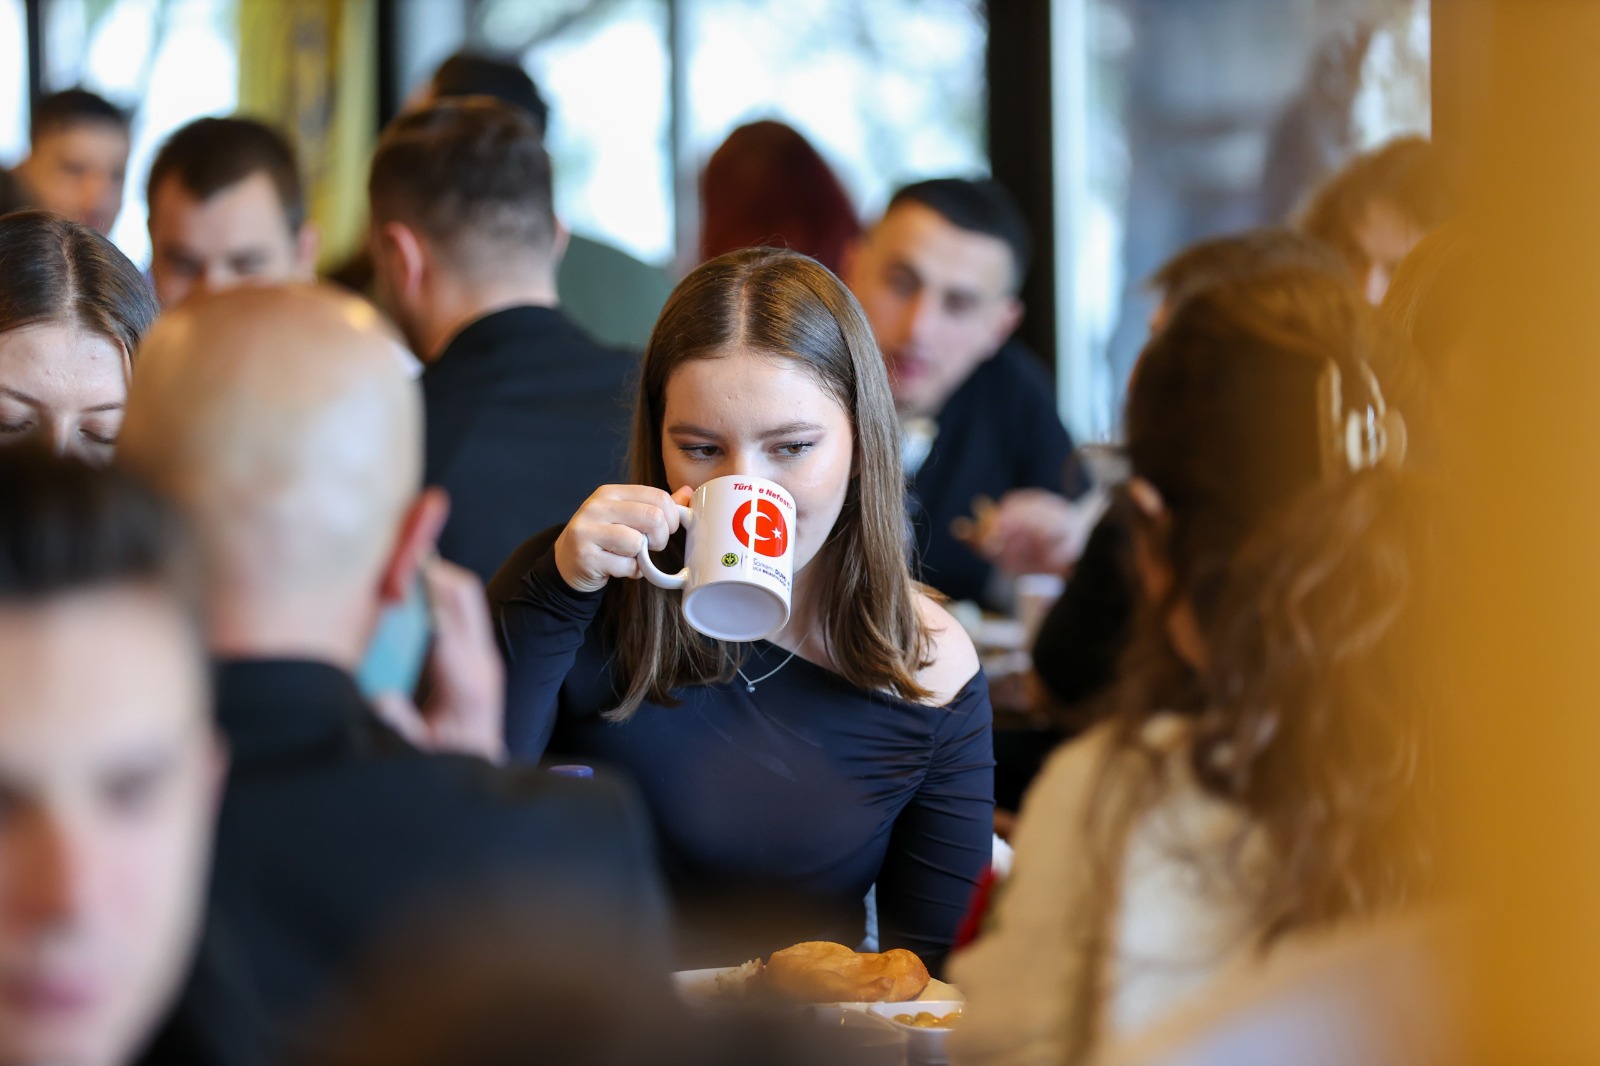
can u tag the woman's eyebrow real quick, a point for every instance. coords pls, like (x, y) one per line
(22, 396)
(115, 405)
(683, 429)
(790, 428)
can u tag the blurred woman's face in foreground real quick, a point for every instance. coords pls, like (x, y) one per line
(64, 388)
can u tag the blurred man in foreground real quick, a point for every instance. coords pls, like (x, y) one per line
(282, 423)
(109, 771)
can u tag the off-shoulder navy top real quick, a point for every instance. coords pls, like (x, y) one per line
(807, 788)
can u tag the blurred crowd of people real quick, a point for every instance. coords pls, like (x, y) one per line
(339, 729)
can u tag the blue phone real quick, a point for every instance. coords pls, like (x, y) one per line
(394, 659)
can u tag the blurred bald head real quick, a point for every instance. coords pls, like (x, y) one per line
(281, 420)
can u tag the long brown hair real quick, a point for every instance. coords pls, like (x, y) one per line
(786, 306)
(1296, 551)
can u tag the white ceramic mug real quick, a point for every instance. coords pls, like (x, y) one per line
(738, 560)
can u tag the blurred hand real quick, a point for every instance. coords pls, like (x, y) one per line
(1030, 531)
(603, 539)
(464, 710)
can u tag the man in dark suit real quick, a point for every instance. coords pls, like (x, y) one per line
(526, 414)
(282, 422)
(938, 277)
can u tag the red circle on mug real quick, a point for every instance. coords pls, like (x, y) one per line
(763, 529)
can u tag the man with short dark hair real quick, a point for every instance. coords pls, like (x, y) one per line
(938, 277)
(77, 158)
(109, 766)
(526, 415)
(227, 208)
(612, 296)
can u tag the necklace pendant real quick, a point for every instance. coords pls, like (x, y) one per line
(749, 686)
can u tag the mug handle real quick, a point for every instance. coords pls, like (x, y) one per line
(647, 567)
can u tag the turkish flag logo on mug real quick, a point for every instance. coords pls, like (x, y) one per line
(738, 556)
(758, 524)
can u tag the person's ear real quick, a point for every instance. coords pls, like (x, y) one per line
(1007, 321)
(419, 531)
(402, 247)
(307, 244)
(1151, 536)
(216, 770)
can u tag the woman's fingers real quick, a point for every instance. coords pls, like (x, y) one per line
(604, 538)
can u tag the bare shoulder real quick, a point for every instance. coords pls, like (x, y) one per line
(955, 660)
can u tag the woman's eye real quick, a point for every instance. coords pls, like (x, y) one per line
(15, 427)
(794, 449)
(699, 451)
(97, 438)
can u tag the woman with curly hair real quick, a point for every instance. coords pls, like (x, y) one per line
(1258, 780)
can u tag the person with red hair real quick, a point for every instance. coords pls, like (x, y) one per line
(766, 185)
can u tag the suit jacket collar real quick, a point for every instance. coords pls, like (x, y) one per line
(518, 329)
(273, 709)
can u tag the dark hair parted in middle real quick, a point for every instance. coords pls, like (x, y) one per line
(470, 174)
(55, 270)
(783, 306)
(1293, 545)
(977, 205)
(212, 154)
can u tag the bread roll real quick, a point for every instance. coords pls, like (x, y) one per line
(820, 972)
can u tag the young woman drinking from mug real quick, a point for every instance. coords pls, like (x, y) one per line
(852, 747)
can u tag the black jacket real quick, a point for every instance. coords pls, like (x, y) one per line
(999, 431)
(526, 416)
(334, 833)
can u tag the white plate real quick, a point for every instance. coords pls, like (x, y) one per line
(700, 986)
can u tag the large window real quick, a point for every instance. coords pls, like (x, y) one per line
(167, 61)
(888, 91)
(13, 81)
(642, 91)
(1181, 119)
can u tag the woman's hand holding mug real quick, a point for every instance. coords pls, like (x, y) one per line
(738, 558)
(603, 539)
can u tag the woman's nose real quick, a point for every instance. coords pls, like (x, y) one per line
(58, 437)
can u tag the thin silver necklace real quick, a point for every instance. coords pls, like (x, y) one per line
(749, 685)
